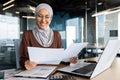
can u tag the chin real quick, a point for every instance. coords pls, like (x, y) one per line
(42, 27)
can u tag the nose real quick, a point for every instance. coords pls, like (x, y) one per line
(43, 19)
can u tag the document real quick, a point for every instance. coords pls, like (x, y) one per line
(37, 72)
(54, 55)
(45, 55)
(73, 50)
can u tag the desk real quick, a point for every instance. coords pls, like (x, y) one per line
(113, 73)
(110, 74)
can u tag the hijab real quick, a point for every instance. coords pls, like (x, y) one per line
(43, 36)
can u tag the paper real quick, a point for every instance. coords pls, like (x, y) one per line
(73, 50)
(54, 55)
(45, 55)
(37, 72)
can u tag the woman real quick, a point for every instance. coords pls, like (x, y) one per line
(41, 36)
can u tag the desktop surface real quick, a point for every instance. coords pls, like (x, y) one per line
(111, 73)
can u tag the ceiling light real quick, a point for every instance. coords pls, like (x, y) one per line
(29, 17)
(108, 11)
(113, 11)
(100, 3)
(32, 8)
(8, 2)
(100, 13)
(7, 7)
(17, 12)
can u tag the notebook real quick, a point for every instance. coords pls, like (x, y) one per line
(90, 70)
(37, 72)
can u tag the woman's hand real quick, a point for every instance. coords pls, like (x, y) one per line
(30, 64)
(73, 60)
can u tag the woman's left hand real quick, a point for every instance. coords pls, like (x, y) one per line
(73, 60)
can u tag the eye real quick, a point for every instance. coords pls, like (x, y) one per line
(39, 16)
(47, 17)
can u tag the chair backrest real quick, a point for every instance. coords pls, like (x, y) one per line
(17, 51)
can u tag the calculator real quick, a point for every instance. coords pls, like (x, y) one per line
(61, 77)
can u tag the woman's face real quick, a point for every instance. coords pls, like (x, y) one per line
(43, 19)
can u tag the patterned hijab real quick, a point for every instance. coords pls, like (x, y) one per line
(44, 37)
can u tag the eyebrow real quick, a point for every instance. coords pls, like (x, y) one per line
(44, 15)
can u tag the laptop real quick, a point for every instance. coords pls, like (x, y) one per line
(90, 70)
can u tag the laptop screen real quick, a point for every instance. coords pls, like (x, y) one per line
(103, 63)
(107, 57)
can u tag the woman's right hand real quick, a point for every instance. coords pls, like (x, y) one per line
(30, 64)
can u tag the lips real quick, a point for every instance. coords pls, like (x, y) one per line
(42, 24)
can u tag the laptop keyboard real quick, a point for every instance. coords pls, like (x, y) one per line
(86, 69)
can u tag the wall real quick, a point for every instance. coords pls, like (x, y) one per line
(110, 24)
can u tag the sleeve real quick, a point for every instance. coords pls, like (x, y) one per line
(23, 50)
(59, 40)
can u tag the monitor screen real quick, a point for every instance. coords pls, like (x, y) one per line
(113, 33)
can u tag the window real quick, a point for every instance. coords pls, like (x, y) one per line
(9, 30)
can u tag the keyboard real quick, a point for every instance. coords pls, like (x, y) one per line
(61, 77)
(86, 69)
